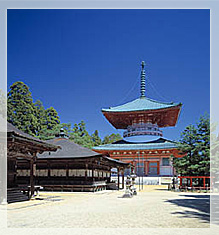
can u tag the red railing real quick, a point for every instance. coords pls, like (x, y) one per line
(189, 184)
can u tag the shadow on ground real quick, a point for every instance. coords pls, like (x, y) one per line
(161, 189)
(200, 203)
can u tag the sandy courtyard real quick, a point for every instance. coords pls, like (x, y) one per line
(153, 207)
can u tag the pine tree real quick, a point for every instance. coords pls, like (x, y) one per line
(195, 145)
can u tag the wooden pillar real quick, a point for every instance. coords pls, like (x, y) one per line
(15, 176)
(180, 182)
(67, 170)
(48, 165)
(190, 181)
(92, 173)
(204, 181)
(98, 172)
(118, 176)
(86, 168)
(31, 178)
(32, 174)
(123, 179)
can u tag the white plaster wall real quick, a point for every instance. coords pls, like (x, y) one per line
(166, 170)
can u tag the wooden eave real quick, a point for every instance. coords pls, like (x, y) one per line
(163, 117)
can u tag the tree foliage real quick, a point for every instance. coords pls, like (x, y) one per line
(195, 145)
(111, 138)
(27, 116)
(21, 110)
(35, 120)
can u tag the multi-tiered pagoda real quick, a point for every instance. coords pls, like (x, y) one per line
(143, 117)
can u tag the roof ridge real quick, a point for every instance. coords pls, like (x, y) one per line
(156, 101)
(132, 102)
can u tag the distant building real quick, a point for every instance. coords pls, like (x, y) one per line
(143, 144)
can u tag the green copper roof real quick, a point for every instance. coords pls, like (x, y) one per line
(141, 104)
(125, 145)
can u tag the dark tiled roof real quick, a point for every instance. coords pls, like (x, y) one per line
(12, 131)
(68, 150)
(74, 151)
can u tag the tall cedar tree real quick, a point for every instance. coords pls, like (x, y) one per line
(30, 117)
(40, 114)
(49, 122)
(195, 145)
(21, 110)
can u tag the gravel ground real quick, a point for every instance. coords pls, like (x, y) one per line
(153, 207)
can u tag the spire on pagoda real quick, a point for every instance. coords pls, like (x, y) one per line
(142, 79)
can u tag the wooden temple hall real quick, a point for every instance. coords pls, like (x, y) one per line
(58, 164)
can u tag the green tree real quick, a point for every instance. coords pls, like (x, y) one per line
(108, 139)
(21, 110)
(52, 118)
(195, 145)
(50, 123)
(96, 139)
(40, 114)
(80, 135)
(47, 134)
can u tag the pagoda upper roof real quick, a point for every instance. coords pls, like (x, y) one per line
(141, 104)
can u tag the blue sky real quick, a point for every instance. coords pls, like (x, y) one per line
(80, 61)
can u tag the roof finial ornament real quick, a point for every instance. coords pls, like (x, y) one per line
(142, 79)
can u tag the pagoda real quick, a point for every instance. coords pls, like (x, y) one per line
(143, 117)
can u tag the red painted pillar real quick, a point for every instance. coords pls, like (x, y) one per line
(180, 182)
(190, 181)
(204, 182)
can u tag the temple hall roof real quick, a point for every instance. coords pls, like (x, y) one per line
(68, 150)
(14, 133)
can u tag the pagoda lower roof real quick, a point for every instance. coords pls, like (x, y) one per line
(141, 104)
(160, 143)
